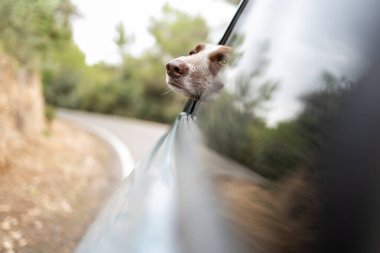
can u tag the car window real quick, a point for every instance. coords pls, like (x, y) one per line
(295, 63)
(292, 63)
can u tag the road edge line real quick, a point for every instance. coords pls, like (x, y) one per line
(126, 160)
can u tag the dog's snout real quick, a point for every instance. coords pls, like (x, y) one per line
(177, 68)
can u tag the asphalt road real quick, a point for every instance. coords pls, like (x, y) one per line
(137, 136)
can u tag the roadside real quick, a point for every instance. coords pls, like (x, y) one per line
(53, 190)
(138, 135)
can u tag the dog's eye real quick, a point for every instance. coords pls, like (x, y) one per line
(223, 60)
(192, 52)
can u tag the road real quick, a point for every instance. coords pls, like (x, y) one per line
(132, 137)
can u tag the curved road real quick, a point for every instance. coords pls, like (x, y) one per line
(132, 137)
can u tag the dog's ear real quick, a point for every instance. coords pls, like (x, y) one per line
(219, 58)
(197, 49)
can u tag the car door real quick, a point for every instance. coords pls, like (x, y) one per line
(283, 160)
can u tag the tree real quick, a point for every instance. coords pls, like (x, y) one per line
(142, 79)
(29, 28)
(133, 88)
(177, 32)
(122, 40)
(234, 2)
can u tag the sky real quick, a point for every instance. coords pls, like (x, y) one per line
(304, 40)
(94, 30)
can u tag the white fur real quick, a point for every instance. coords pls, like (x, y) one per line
(199, 81)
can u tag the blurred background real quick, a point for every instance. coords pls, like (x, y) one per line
(107, 56)
(98, 56)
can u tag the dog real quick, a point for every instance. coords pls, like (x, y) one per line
(197, 75)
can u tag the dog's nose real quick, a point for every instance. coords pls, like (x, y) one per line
(176, 68)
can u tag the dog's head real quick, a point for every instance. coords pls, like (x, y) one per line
(198, 74)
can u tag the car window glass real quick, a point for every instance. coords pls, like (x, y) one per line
(294, 63)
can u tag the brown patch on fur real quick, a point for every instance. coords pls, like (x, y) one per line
(197, 49)
(218, 59)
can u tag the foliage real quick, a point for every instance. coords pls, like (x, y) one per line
(233, 128)
(134, 88)
(29, 28)
(122, 40)
(235, 2)
(137, 86)
(321, 107)
(187, 31)
(38, 34)
(62, 70)
(50, 113)
(232, 123)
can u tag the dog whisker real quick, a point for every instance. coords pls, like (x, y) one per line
(166, 92)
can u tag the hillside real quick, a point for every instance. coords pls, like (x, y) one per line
(53, 177)
(21, 108)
